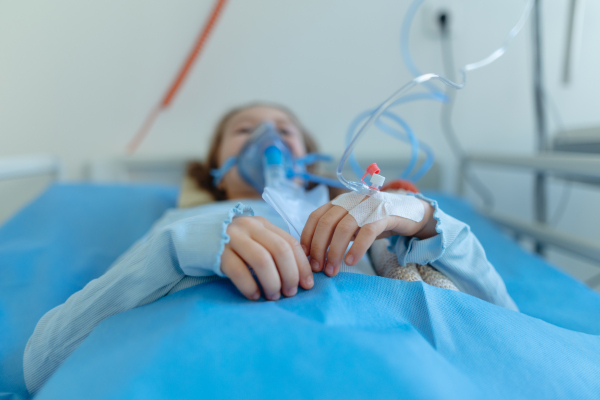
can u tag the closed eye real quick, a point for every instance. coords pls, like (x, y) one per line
(243, 130)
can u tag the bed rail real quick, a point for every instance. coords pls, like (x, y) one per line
(567, 166)
(550, 236)
(27, 166)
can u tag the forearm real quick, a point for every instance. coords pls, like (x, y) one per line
(455, 251)
(428, 224)
(140, 277)
(190, 246)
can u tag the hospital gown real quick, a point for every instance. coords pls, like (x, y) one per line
(183, 249)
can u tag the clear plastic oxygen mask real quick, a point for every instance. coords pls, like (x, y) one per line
(251, 165)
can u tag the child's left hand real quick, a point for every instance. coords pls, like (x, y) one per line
(331, 226)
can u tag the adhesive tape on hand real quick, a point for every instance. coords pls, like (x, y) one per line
(379, 206)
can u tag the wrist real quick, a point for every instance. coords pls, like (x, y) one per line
(428, 223)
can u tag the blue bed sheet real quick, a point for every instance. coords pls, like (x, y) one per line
(351, 336)
(55, 246)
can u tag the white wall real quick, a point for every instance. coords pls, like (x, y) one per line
(78, 78)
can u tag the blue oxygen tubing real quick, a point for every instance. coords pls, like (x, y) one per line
(298, 171)
(373, 117)
(406, 136)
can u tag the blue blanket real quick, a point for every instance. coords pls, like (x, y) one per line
(351, 336)
(68, 236)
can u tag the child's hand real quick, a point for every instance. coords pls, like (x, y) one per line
(331, 226)
(275, 256)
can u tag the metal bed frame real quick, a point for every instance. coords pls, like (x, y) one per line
(567, 166)
(571, 166)
(33, 165)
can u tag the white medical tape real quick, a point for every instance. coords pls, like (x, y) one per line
(348, 200)
(379, 206)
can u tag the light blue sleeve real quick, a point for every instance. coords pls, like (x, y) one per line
(456, 252)
(200, 240)
(148, 271)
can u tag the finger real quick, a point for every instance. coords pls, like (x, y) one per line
(284, 259)
(323, 235)
(239, 274)
(386, 234)
(364, 239)
(305, 273)
(261, 261)
(342, 236)
(311, 225)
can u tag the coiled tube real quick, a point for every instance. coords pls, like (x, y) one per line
(421, 80)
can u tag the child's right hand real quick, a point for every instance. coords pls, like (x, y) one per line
(275, 256)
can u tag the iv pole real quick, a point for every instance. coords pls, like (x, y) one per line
(540, 195)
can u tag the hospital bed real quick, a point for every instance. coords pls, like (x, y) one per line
(351, 336)
(561, 165)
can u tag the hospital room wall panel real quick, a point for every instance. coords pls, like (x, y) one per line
(84, 77)
(511, 191)
(581, 216)
(113, 59)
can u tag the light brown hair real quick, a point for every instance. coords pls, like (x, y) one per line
(200, 171)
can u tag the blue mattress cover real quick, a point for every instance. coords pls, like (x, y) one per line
(349, 336)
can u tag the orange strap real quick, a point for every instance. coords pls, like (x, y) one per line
(178, 81)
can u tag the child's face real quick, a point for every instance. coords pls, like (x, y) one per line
(236, 133)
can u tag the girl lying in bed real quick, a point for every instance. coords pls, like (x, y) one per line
(236, 230)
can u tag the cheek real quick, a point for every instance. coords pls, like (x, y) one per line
(232, 179)
(231, 147)
(297, 146)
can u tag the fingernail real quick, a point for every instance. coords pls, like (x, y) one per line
(291, 291)
(329, 269)
(275, 296)
(349, 259)
(255, 296)
(314, 264)
(309, 281)
(304, 249)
